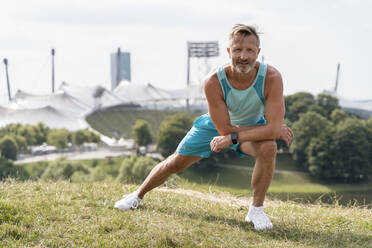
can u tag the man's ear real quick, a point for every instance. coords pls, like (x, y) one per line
(228, 51)
(258, 51)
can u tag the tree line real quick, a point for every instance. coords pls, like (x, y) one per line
(17, 138)
(330, 144)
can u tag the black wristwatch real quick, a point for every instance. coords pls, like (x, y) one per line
(234, 138)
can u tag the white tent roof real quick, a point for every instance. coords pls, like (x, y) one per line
(141, 92)
(147, 94)
(48, 115)
(85, 95)
(59, 101)
(364, 105)
(353, 106)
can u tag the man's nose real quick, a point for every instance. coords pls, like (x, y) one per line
(244, 55)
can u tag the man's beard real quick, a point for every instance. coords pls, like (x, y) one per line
(246, 69)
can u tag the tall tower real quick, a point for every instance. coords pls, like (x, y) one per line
(53, 53)
(337, 77)
(7, 78)
(120, 68)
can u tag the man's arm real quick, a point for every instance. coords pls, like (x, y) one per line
(274, 111)
(217, 107)
(274, 114)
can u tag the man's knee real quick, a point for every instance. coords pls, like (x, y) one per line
(267, 149)
(177, 163)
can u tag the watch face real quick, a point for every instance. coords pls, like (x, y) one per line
(234, 138)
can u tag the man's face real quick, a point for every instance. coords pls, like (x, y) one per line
(243, 52)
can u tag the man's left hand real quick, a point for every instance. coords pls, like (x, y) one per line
(220, 142)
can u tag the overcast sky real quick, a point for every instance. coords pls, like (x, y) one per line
(303, 39)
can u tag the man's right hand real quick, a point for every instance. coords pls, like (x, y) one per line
(286, 134)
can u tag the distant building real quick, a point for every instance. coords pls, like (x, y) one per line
(120, 68)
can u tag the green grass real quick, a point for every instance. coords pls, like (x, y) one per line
(122, 120)
(284, 161)
(62, 214)
(289, 185)
(296, 186)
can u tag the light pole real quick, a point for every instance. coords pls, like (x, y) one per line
(199, 50)
(7, 78)
(53, 53)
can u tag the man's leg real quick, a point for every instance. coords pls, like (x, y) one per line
(265, 153)
(173, 164)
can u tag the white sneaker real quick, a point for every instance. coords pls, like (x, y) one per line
(129, 201)
(257, 216)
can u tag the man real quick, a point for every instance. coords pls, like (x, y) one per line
(246, 112)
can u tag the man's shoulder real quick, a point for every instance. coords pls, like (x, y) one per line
(212, 84)
(211, 79)
(272, 73)
(273, 81)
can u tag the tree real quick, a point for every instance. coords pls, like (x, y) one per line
(298, 103)
(28, 133)
(41, 133)
(342, 154)
(352, 151)
(80, 137)
(321, 156)
(369, 130)
(21, 142)
(8, 148)
(338, 115)
(59, 138)
(328, 104)
(309, 126)
(141, 133)
(94, 137)
(171, 132)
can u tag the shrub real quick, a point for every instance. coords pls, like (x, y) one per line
(62, 169)
(59, 138)
(6, 168)
(135, 169)
(104, 172)
(141, 133)
(8, 148)
(171, 132)
(81, 136)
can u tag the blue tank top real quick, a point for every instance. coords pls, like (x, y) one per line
(246, 107)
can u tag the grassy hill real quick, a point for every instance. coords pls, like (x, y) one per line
(289, 183)
(121, 119)
(62, 214)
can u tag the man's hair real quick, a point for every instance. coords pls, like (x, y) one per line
(244, 30)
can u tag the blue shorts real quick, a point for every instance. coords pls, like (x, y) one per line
(197, 140)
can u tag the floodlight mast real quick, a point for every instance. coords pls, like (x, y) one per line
(337, 76)
(53, 53)
(199, 50)
(7, 78)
